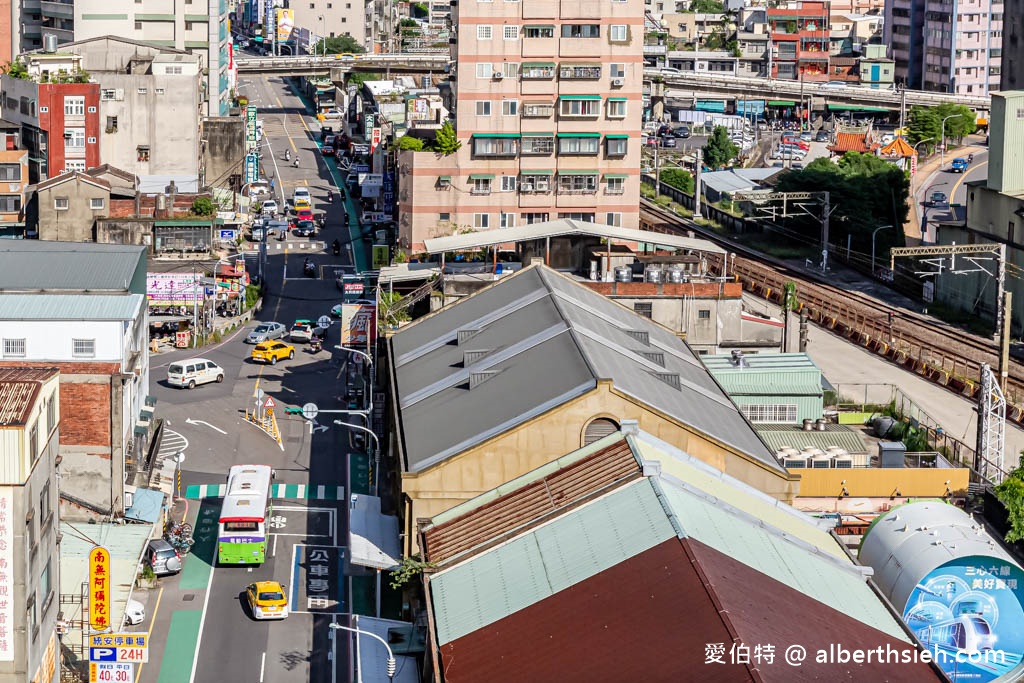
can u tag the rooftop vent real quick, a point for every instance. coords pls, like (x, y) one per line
(656, 357)
(642, 337)
(478, 378)
(669, 378)
(467, 333)
(738, 360)
(470, 357)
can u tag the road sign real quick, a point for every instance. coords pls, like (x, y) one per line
(310, 411)
(260, 394)
(250, 126)
(269, 403)
(107, 672)
(913, 165)
(324, 321)
(227, 234)
(252, 168)
(99, 588)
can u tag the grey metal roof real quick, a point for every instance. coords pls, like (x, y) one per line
(561, 228)
(69, 306)
(160, 183)
(532, 342)
(737, 180)
(39, 265)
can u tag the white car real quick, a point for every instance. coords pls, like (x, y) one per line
(270, 207)
(134, 613)
(192, 372)
(334, 114)
(301, 193)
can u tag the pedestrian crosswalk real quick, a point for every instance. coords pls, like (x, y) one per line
(295, 491)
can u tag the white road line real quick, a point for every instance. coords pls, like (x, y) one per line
(263, 663)
(202, 624)
(273, 550)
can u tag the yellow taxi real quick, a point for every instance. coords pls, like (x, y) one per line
(302, 203)
(272, 351)
(267, 600)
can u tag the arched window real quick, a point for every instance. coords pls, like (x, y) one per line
(598, 429)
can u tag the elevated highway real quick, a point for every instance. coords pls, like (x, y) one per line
(660, 83)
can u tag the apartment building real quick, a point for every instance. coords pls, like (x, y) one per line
(150, 108)
(29, 542)
(947, 46)
(800, 41)
(199, 27)
(13, 180)
(56, 108)
(1012, 76)
(547, 100)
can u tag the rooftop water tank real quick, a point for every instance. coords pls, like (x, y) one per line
(49, 43)
(676, 275)
(623, 274)
(654, 275)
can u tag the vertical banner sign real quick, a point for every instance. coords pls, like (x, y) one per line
(358, 324)
(370, 120)
(381, 256)
(285, 24)
(374, 140)
(7, 624)
(250, 127)
(252, 168)
(268, 24)
(99, 588)
(913, 166)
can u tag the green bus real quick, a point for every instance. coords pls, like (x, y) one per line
(242, 532)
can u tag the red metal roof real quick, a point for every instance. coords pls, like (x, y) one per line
(19, 389)
(853, 142)
(517, 509)
(651, 617)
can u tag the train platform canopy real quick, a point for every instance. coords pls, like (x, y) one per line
(565, 227)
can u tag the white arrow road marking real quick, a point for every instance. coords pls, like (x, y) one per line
(201, 422)
(320, 428)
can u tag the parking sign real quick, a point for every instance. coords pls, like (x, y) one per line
(106, 672)
(252, 168)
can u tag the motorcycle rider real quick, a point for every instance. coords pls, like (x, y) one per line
(296, 162)
(336, 247)
(287, 155)
(330, 196)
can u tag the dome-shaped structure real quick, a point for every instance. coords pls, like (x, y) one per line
(954, 585)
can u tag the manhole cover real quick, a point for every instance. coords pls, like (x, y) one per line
(188, 597)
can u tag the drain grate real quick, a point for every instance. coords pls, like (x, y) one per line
(188, 597)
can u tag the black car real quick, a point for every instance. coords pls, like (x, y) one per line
(665, 130)
(304, 229)
(821, 136)
(682, 132)
(325, 132)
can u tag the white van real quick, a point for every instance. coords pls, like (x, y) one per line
(301, 193)
(189, 373)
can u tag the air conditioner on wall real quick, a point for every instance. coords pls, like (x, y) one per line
(498, 75)
(618, 82)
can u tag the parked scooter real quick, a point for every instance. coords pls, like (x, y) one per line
(308, 268)
(316, 345)
(330, 196)
(336, 247)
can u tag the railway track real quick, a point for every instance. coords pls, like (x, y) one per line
(945, 354)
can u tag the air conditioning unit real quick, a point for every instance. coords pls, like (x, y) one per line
(119, 94)
(67, 135)
(618, 82)
(498, 75)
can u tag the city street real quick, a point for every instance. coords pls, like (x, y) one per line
(953, 185)
(200, 625)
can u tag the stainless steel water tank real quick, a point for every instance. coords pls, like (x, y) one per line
(623, 274)
(654, 275)
(676, 275)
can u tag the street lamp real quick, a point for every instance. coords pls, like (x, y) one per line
(392, 664)
(942, 141)
(881, 227)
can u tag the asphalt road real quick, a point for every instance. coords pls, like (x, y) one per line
(201, 630)
(954, 187)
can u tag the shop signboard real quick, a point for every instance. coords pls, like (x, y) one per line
(252, 168)
(250, 126)
(375, 139)
(99, 588)
(7, 565)
(381, 256)
(358, 324)
(285, 24)
(172, 289)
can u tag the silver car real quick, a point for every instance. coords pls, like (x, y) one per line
(162, 557)
(265, 331)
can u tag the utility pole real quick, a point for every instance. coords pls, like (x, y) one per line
(1004, 345)
(903, 106)
(825, 213)
(696, 182)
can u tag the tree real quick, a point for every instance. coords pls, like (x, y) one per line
(357, 79)
(419, 10)
(864, 193)
(203, 206)
(446, 141)
(410, 143)
(677, 178)
(707, 7)
(339, 45)
(1011, 494)
(719, 150)
(926, 122)
(16, 69)
(923, 124)
(962, 123)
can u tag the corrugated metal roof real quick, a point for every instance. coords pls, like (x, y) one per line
(731, 491)
(507, 510)
(835, 582)
(768, 374)
(539, 339)
(779, 436)
(548, 559)
(39, 265)
(69, 306)
(125, 543)
(19, 388)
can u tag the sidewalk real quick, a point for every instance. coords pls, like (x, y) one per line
(927, 170)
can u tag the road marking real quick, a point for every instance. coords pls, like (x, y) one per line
(273, 549)
(277, 307)
(149, 633)
(283, 491)
(202, 422)
(263, 663)
(963, 177)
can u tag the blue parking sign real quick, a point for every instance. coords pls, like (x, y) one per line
(227, 234)
(252, 168)
(103, 654)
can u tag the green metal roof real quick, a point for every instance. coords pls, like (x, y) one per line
(617, 99)
(183, 224)
(481, 176)
(534, 172)
(616, 175)
(549, 559)
(70, 307)
(537, 135)
(577, 172)
(617, 136)
(445, 177)
(579, 135)
(579, 97)
(768, 374)
(779, 436)
(781, 103)
(537, 65)
(496, 135)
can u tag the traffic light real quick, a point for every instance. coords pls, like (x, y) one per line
(293, 411)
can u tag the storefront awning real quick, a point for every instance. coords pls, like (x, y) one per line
(781, 103)
(182, 224)
(579, 97)
(532, 172)
(146, 506)
(579, 135)
(372, 536)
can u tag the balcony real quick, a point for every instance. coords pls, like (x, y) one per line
(63, 10)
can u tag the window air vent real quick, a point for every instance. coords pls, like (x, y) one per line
(478, 378)
(669, 378)
(642, 337)
(656, 357)
(467, 333)
(470, 357)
